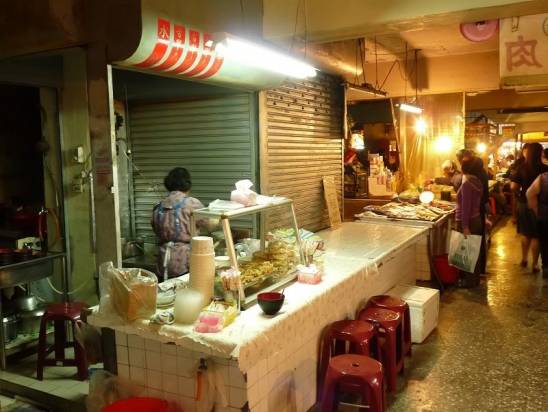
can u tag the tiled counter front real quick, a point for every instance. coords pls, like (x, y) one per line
(273, 368)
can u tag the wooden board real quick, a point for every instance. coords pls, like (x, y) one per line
(332, 201)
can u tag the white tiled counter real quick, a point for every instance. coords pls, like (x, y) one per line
(269, 363)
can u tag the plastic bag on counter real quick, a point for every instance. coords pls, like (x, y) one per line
(243, 193)
(89, 337)
(127, 294)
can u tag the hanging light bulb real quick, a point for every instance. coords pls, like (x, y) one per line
(421, 126)
(443, 144)
(481, 147)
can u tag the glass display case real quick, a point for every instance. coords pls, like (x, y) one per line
(268, 264)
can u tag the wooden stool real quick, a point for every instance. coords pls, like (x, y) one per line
(397, 305)
(59, 313)
(356, 374)
(389, 327)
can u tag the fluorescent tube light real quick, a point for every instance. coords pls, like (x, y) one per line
(366, 88)
(410, 108)
(256, 55)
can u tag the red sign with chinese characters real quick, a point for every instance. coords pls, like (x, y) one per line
(524, 51)
(181, 50)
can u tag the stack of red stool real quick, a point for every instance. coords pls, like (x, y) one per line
(356, 374)
(345, 365)
(389, 326)
(397, 305)
(59, 313)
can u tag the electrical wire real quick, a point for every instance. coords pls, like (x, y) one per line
(295, 26)
(59, 292)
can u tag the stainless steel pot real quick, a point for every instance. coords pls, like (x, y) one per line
(10, 327)
(25, 303)
(29, 322)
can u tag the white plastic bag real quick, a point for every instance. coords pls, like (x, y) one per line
(243, 193)
(464, 251)
(126, 294)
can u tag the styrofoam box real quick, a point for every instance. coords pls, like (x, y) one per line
(424, 304)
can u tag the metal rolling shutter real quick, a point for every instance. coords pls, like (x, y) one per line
(214, 138)
(302, 141)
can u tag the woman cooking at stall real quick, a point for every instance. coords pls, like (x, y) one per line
(171, 223)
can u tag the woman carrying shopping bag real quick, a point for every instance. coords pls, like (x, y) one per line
(468, 215)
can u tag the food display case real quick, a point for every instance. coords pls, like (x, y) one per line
(273, 265)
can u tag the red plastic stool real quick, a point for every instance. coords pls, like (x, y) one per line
(138, 405)
(397, 305)
(59, 313)
(356, 374)
(347, 336)
(389, 328)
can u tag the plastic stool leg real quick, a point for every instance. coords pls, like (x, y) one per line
(41, 349)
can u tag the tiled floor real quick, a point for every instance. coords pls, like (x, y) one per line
(490, 351)
(58, 381)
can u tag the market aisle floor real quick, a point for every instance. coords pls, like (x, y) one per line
(490, 351)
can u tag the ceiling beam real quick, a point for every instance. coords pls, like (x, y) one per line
(327, 20)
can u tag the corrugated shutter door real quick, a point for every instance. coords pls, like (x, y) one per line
(214, 138)
(301, 142)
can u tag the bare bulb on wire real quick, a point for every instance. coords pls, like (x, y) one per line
(421, 126)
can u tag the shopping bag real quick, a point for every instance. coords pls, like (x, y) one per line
(464, 251)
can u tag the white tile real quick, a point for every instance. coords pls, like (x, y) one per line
(225, 373)
(221, 361)
(169, 363)
(137, 357)
(237, 397)
(256, 372)
(152, 345)
(123, 370)
(134, 341)
(154, 361)
(173, 399)
(264, 387)
(187, 387)
(253, 395)
(188, 404)
(170, 383)
(122, 355)
(183, 352)
(169, 349)
(121, 338)
(154, 379)
(262, 406)
(155, 393)
(186, 367)
(236, 378)
(138, 375)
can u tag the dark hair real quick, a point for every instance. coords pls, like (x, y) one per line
(533, 159)
(546, 153)
(178, 179)
(469, 166)
(462, 153)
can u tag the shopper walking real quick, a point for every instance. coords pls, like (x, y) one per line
(521, 180)
(468, 216)
(537, 200)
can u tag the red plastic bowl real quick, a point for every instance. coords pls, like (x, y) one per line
(271, 302)
(138, 405)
